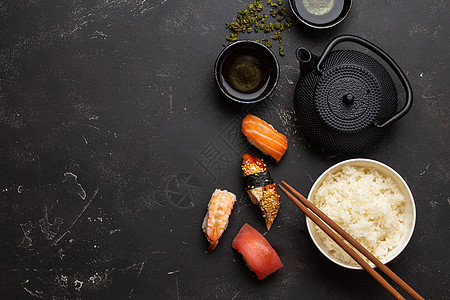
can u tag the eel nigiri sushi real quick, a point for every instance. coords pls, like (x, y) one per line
(263, 136)
(260, 187)
(216, 218)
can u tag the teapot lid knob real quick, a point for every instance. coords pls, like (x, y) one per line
(348, 99)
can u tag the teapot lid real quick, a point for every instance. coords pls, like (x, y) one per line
(348, 98)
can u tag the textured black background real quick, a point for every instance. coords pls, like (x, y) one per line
(113, 136)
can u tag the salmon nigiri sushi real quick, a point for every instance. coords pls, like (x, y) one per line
(263, 136)
(216, 219)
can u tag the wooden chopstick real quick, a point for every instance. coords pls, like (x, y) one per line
(318, 217)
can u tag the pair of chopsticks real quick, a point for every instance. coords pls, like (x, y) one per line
(318, 217)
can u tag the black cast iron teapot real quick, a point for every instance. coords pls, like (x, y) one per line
(345, 100)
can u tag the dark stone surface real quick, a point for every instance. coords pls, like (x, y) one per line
(113, 137)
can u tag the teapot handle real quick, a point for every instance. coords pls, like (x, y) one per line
(386, 58)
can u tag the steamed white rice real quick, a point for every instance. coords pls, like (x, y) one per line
(366, 204)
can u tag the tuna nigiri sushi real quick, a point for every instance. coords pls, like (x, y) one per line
(257, 252)
(260, 187)
(263, 136)
(216, 218)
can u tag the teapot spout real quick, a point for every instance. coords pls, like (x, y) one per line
(307, 60)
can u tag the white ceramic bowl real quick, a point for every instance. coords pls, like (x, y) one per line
(410, 209)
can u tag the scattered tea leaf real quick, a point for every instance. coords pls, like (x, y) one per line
(253, 19)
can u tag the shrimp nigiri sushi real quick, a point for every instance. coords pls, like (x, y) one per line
(216, 218)
(260, 187)
(263, 136)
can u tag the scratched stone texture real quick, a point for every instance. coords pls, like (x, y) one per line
(113, 136)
